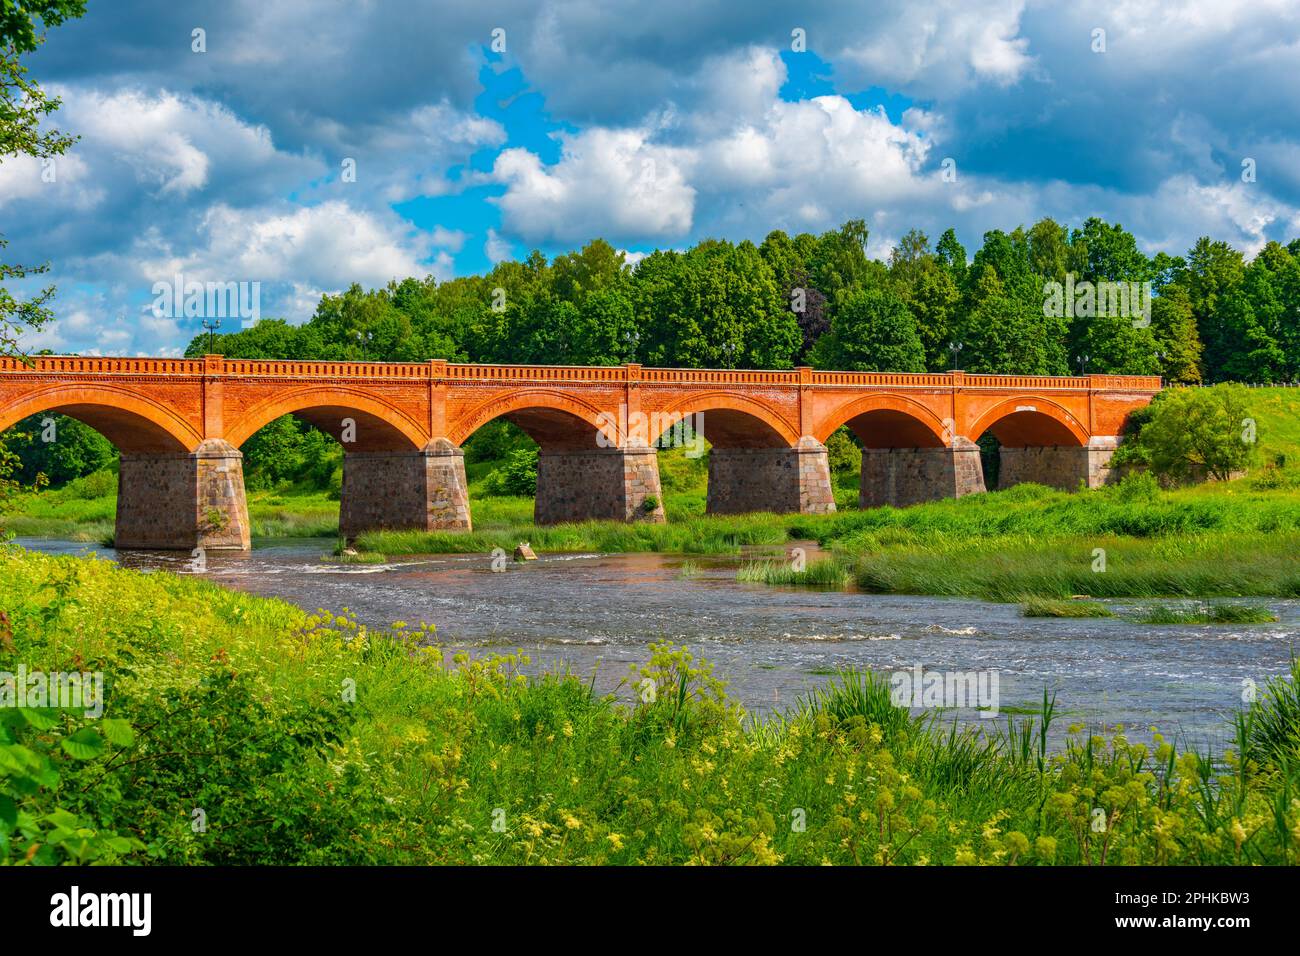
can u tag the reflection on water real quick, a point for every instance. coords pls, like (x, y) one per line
(596, 613)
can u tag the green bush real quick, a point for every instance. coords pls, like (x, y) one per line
(518, 476)
(1194, 433)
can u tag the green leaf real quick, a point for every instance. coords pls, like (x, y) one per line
(8, 812)
(62, 818)
(41, 718)
(85, 744)
(118, 731)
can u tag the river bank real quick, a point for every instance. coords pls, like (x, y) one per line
(348, 744)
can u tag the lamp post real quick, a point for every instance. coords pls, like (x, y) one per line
(953, 349)
(212, 331)
(1083, 362)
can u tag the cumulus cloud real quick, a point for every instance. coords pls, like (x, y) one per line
(614, 183)
(673, 128)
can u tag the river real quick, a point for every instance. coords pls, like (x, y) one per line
(595, 614)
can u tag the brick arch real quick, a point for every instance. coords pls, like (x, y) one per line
(553, 419)
(1030, 421)
(134, 423)
(731, 421)
(379, 425)
(887, 420)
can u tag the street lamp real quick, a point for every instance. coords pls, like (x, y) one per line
(954, 348)
(1083, 362)
(212, 331)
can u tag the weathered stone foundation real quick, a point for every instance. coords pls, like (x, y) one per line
(784, 480)
(422, 490)
(616, 484)
(909, 476)
(183, 501)
(1058, 466)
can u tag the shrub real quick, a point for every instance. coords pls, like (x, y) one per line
(518, 476)
(1199, 432)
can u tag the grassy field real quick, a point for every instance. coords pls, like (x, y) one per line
(298, 738)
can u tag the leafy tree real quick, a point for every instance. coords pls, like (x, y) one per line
(576, 275)
(1213, 270)
(1116, 345)
(873, 331)
(1177, 341)
(953, 256)
(1200, 430)
(1259, 319)
(1006, 334)
(840, 264)
(23, 105)
(77, 450)
(715, 306)
(1049, 250)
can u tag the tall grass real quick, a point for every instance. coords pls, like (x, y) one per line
(821, 573)
(466, 760)
(1209, 614)
(1048, 607)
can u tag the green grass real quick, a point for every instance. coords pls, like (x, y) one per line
(64, 513)
(1046, 607)
(1008, 568)
(368, 557)
(1209, 614)
(822, 573)
(335, 744)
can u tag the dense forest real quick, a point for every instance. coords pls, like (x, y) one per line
(818, 300)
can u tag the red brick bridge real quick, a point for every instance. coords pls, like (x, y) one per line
(179, 424)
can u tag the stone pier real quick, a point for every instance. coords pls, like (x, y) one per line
(783, 480)
(182, 501)
(615, 484)
(412, 490)
(1058, 466)
(907, 476)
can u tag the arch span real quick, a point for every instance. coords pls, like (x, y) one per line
(1030, 421)
(379, 425)
(553, 419)
(731, 421)
(134, 423)
(887, 421)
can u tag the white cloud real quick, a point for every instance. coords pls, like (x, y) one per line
(170, 141)
(327, 246)
(496, 248)
(608, 182)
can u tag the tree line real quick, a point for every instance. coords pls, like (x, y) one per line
(820, 300)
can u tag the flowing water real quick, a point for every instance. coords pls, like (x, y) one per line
(595, 614)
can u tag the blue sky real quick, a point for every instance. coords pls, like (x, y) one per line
(652, 127)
